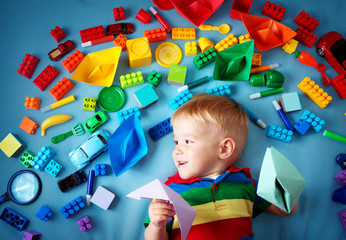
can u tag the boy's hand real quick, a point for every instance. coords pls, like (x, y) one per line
(160, 211)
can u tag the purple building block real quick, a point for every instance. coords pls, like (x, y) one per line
(84, 224)
(301, 126)
(44, 213)
(342, 217)
(101, 170)
(31, 235)
(72, 207)
(340, 177)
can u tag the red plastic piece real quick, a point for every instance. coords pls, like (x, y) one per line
(63, 48)
(240, 7)
(60, 89)
(46, 77)
(304, 19)
(92, 33)
(119, 14)
(28, 66)
(305, 36)
(273, 11)
(32, 103)
(339, 84)
(72, 62)
(58, 34)
(143, 16)
(163, 4)
(156, 35)
(120, 41)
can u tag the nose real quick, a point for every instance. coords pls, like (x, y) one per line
(177, 150)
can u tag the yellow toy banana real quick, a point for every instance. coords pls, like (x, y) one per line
(53, 120)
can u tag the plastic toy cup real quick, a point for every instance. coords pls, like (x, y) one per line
(205, 44)
(257, 80)
(143, 16)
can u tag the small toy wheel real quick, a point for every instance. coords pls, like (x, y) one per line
(320, 52)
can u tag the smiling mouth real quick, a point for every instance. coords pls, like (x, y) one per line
(180, 163)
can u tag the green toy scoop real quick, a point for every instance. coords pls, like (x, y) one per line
(76, 130)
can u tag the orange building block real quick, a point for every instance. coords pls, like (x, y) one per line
(320, 97)
(72, 62)
(156, 35)
(183, 34)
(28, 125)
(120, 41)
(256, 59)
(32, 103)
(60, 89)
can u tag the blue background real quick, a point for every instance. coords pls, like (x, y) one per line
(25, 27)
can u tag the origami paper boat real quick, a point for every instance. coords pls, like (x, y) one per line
(127, 145)
(234, 63)
(279, 182)
(267, 33)
(98, 68)
(158, 190)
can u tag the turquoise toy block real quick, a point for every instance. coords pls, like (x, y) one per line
(315, 122)
(72, 207)
(290, 102)
(123, 115)
(101, 169)
(146, 96)
(42, 158)
(154, 78)
(131, 80)
(177, 74)
(26, 158)
(179, 100)
(223, 90)
(14, 219)
(53, 168)
(44, 213)
(12, 146)
(279, 133)
(89, 104)
(301, 127)
(205, 58)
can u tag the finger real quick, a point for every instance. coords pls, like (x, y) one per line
(159, 218)
(162, 205)
(159, 201)
(163, 211)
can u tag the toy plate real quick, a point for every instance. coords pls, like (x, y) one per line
(168, 53)
(111, 98)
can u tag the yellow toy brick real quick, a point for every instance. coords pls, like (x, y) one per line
(190, 48)
(256, 59)
(290, 46)
(12, 146)
(225, 43)
(138, 52)
(320, 97)
(244, 38)
(183, 34)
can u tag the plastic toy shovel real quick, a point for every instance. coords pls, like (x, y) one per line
(223, 28)
(76, 130)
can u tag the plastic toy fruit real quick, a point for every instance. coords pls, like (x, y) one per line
(53, 120)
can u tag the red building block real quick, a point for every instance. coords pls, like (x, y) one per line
(92, 33)
(60, 89)
(120, 41)
(156, 35)
(32, 103)
(28, 125)
(58, 34)
(72, 62)
(305, 36)
(339, 84)
(304, 19)
(240, 7)
(28, 66)
(46, 77)
(273, 11)
(119, 14)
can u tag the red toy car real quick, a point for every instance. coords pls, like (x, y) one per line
(62, 49)
(332, 46)
(120, 28)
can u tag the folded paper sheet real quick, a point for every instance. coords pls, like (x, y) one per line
(267, 33)
(98, 68)
(279, 182)
(234, 63)
(158, 190)
(127, 145)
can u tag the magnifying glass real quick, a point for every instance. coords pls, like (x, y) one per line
(23, 188)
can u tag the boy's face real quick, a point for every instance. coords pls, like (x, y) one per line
(196, 151)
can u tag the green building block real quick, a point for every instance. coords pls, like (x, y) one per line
(177, 74)
(89, 104)
(146, 96)
(205, 58)
(26, 158)
(131, 80)
(154, 78)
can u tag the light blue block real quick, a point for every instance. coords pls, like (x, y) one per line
(42, 158)
(290, 102)
(123, 115)
(223, 90)
(179, 100)
(279, 133)
(315, 122)
(146, 96)
(53, 168)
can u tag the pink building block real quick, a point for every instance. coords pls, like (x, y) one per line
(58, 34)
(342, 217)
(46, 77)
(31, 235)
(305, 20)
(28, 66)
(340, 177)
(84, 224)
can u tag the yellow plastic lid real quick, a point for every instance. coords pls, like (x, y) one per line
(168, 53)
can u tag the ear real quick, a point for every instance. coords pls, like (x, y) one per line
(226, 148)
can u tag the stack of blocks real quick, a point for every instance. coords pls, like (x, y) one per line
(177, 74)
(179, 100)
(183, 34)
(89, 104)
(223, 90)
(102, 198)
(12, 146)
(42, 158)
(84, 223)
(161, 129)
(131, 80)
(72, 62)
(190, 48)
(279, 133)
(28, 125)
(225, 43)
(120, 41)
(58, 34)
(307, 25)
(125, 114)
(72, 207)
(101, 170)
(138, 52)
(31, 235)
(146, 96)
(32, 103)
(61, 89)
(154, 78)
(53, 168)
(205, 58)
(26, 158)
(311, 119)
(45, 77)
(316, 93)
(28, 66)
(14, 219)
(44, 213)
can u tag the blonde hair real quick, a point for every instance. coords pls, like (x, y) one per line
(227, 116)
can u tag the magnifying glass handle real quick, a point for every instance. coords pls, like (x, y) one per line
(4, 198)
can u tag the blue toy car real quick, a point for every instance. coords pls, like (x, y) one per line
(90, 149)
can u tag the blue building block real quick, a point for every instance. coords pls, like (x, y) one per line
(223, 90)
(179, 100)
(301, 127)
(160, 129)
(315, 122)
(72, 207)
(53, 168)
(42, 158)
(14, 219)
(146, 96)
(31, 235)
(101, 170)
(279, 133)
(123, 115)
(44, 213)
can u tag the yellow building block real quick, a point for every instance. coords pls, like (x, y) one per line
(138, 52)
(190, 48)
(290, 46)
(12, 146)
(183, 34)
(244, 38)
(225, 43)
(316, 93)
(256, 59)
